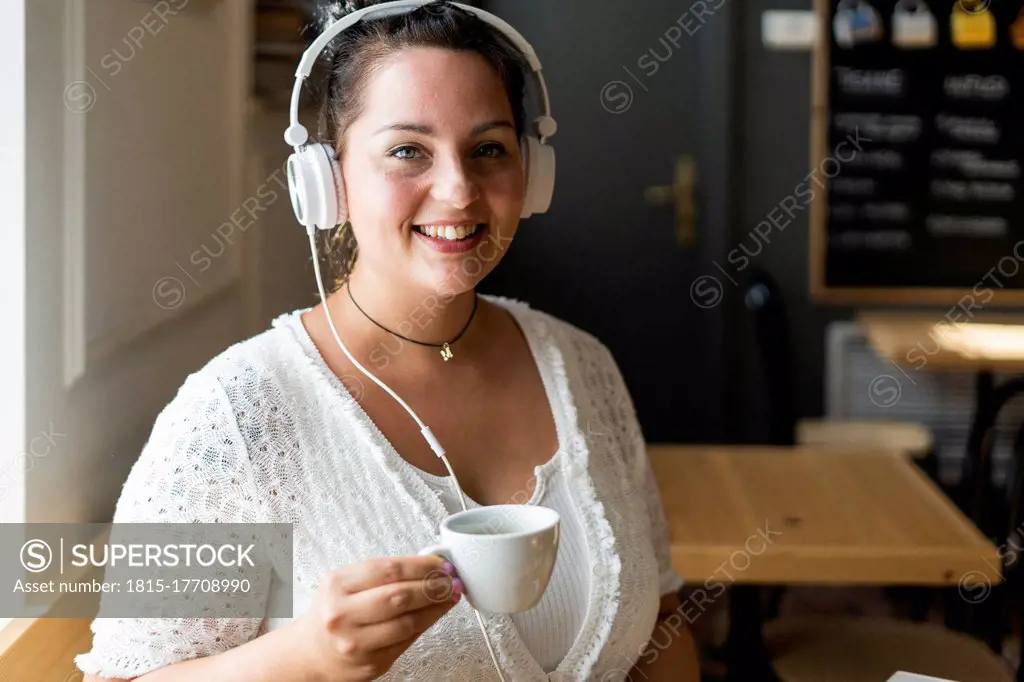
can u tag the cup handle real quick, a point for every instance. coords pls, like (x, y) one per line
(437, 550)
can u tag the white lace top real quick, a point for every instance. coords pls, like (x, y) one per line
(280, 440)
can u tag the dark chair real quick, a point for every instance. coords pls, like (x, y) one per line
(763, 299)
(979, 497)
(1000, 516)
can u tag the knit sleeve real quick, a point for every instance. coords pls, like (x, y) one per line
(194, 468)
(634, 446)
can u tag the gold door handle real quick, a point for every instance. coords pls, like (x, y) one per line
(681, 194)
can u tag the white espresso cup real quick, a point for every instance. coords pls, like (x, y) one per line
(504, 554)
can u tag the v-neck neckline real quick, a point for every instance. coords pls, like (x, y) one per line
(550, 364)
(564, 433)
(541, 472)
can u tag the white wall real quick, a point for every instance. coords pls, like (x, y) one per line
(12, 263)
(12, 260)
(138, 122)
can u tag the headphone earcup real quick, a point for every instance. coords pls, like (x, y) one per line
(539, 165)
(315, 186)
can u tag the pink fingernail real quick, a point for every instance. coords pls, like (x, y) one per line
(448, 568)
(457, 586)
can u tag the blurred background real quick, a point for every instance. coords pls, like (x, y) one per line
(149, 227)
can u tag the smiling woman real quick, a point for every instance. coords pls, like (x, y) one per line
(425, 109)
(410, 178)
(393, 157)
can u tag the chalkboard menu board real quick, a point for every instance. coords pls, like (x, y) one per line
(918, 149)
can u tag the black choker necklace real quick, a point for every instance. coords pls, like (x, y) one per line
(446, 351)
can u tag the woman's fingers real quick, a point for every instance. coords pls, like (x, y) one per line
(383, 571)
(387, 602)
(402, 630)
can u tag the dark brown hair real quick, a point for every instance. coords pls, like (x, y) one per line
(352, 57)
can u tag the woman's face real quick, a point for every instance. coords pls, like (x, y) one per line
(432, 157)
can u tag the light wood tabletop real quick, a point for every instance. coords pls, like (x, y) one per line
(778, 515)
(934, 340)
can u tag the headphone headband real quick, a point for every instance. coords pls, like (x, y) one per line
(296, 135)
(395, 8)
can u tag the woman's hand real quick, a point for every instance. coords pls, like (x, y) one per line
(365, 615)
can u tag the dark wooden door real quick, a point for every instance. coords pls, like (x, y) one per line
(636, 87)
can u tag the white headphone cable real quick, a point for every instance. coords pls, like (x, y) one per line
(435, 445)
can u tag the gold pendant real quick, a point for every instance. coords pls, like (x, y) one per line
(446, 353)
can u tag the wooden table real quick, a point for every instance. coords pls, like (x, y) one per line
(744, 516)
(923, 341)
(783, 516)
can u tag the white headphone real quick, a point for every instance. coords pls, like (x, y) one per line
(314, 177)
